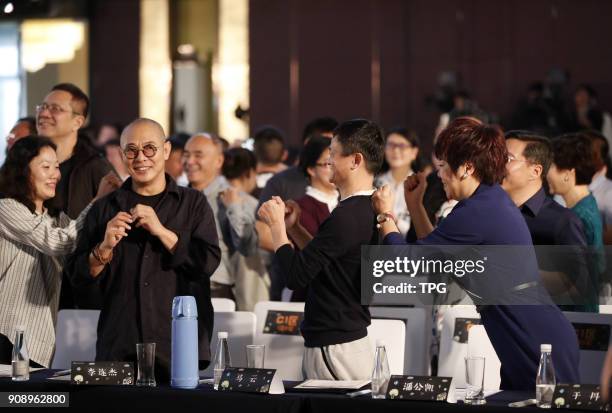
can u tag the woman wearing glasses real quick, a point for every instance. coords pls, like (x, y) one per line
(34, 241)
(401, 153)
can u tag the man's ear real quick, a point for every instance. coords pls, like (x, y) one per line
(167, 150)
(358, 160)
(536, 171)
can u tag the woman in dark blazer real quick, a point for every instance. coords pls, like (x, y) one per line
(472, 158)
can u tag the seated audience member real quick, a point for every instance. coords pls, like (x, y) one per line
(472, 159)
(143, 245)
(22, 128)
(601, 185)
(34, 241)
(335, 323)
(107, 132)
(321, 194)
(269, 147)
(174, 164)
(203, 160)
(252, 282)
(569, 175)
(289, 184)
(529, 159)
(401, 152)
(114, 155)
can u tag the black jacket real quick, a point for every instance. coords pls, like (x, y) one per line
(139, 284)
(89, 168)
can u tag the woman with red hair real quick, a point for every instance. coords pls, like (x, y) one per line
(472, 158)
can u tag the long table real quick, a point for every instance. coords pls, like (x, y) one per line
(205, 399)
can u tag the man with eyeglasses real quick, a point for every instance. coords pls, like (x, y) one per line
(563, 270)
(59, 117)
(144, 244)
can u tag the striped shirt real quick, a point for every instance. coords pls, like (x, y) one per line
(32, 252)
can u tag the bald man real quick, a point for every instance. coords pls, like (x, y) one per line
(148, 242)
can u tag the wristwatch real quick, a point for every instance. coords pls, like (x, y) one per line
(384, 217)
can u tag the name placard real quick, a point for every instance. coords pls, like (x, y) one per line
(579, 397)
(246, 380)
(98, 373)
(462, 327)
(419, 388)
(283, 322)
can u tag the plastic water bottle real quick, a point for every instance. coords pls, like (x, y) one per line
(222, 357)
(184, 354)
(381, 373)
(545, 381)
(21, 360)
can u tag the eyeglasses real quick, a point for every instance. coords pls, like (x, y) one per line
(54, 108)
(513, 158)
(400, 146)
(131, 151)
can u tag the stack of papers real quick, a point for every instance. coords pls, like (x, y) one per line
(332, 384)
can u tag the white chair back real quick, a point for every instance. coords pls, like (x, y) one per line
(418, 324)
(240, 326)
(480, 345)
(393, 333)
(75, 337)
(283, 352)
(223, 304)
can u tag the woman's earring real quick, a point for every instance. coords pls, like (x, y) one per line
(465, 175)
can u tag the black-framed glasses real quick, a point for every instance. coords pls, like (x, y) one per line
(132, 151)
(54, 108)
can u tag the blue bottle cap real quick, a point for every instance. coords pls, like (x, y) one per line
(184, 306)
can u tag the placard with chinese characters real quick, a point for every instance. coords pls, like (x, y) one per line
(246, 380)
(579, 397)
(418, 388)
(283, 322)
(102, 373)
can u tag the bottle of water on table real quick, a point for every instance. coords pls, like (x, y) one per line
(545, 381)
(21, 360)
(222, 357)
(381, 373)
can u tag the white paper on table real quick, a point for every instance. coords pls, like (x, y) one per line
(60, 378)
(6, 370)
(333, 384)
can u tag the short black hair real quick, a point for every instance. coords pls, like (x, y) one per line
(574, 151)
(178, 141)
(15, 173)
(238, 162)
(312, 152)
(31, 122)
(365, 137)
(538, 149)
(78, 96)
(411, 137)
(269, 145)
(113, 142)
(601, 149)
(319, 126)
